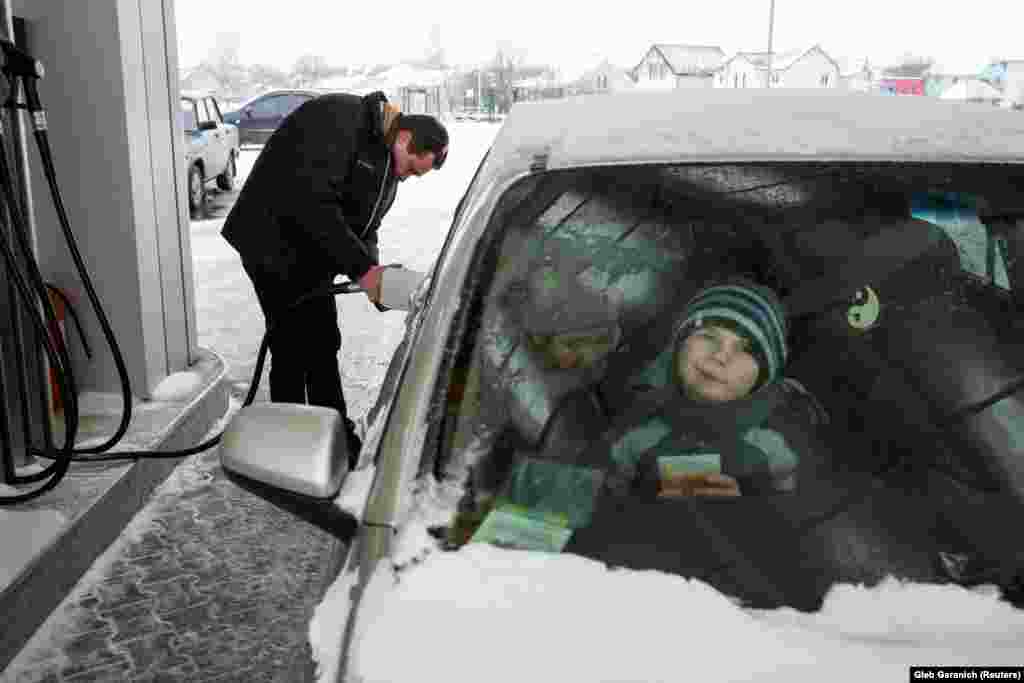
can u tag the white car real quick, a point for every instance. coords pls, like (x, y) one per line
(894, 230)
(211, 147)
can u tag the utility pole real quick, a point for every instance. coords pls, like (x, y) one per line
(771, 31)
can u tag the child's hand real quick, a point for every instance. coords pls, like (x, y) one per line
(709, 484)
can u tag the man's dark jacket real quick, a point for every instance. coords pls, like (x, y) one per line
(313, 200)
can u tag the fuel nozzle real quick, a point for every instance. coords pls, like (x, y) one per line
(20, 64)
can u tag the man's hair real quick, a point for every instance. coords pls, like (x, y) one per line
(428, 135)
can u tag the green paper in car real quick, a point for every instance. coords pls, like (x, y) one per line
(691, 463)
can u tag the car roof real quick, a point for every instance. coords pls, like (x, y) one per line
(726, 125)
(286, 91)
(195, 94)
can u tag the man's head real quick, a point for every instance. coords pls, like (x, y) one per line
(420, 144)
(730, 342)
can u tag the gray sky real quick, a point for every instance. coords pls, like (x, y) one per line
(573, 33)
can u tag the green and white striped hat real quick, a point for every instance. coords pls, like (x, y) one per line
(748, 309)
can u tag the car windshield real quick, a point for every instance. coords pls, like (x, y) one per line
(887, 441)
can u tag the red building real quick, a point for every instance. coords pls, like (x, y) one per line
(902, 86)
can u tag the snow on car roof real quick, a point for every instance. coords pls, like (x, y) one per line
(752, 125)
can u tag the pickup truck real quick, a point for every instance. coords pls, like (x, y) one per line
(211, 148)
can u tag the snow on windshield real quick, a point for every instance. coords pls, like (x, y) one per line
(521, 615)
(508, 615)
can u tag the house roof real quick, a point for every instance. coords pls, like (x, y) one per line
(715, 125)
(690, 60)
(784, 60)
(780, 61)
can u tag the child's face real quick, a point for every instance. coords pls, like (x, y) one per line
(716, 365)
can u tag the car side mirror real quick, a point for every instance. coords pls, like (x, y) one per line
(248, 113)
(293, 456)
(297, 448)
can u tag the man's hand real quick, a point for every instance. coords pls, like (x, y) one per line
(370, 283)
(709, 484)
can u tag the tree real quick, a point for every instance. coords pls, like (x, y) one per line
(308, 70)
(263, 77)
(503, 71)
(224, 68)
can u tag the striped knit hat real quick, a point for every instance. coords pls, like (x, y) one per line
(751, 311)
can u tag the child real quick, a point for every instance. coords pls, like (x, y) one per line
(698, 427)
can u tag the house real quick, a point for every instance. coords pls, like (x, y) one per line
(902, 85)
(744, 70)
(544, 86)
(668, 67)
(856, 75)
(810, 68)
(804, 68)
(603, 78)
(1009, 77)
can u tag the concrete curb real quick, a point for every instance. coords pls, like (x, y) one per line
(46, 580)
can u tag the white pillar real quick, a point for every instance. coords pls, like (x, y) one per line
(111, 92)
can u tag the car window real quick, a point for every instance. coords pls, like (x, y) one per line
(188, 115)
(273, 106)
(566, 415)
(213, 110)
(293, 102)
(202, 111)
(981, 252)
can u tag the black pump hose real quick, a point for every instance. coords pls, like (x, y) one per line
(59, 468)
(42, 142)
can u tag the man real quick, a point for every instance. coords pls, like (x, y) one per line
(310, 210)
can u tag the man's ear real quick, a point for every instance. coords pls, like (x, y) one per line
(403, 138)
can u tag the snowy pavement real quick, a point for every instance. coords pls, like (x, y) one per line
(208, 582)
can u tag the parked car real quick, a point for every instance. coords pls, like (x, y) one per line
(894, 230)
(212, 148)
(260, 116)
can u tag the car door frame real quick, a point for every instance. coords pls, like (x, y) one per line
(220, 143)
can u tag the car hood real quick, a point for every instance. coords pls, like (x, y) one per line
(484, 613)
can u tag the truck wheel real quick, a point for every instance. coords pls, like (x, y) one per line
(196, 191)
(226, 180)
